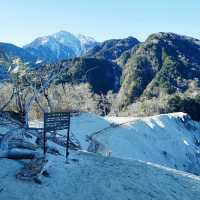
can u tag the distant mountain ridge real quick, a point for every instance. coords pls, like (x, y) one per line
(9, 53)
(59, 46)
(112, 49)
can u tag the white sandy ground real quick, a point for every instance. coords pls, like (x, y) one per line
(95, 177)
(136, 170)
(169, 139)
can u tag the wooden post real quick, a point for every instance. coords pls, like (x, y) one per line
(67, 146)
(44, 137)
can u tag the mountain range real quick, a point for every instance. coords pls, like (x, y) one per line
(164, 64)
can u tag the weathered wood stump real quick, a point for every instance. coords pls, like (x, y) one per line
(33, 170)
(21, 144)
(19, 154)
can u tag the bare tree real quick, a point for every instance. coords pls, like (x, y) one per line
(6, 100)
(39, 84)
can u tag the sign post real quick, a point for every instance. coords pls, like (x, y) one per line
(56, 121)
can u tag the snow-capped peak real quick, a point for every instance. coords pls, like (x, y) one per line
(60, 45)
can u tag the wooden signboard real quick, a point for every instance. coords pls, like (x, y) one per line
(56, 121)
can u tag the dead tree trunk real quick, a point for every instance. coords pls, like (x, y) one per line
(8, 102)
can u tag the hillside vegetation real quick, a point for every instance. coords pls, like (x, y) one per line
(164, 63)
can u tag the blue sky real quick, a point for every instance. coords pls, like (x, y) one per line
(23, 20)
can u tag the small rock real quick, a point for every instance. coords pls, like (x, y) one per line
(45, 173)
(37, 180)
